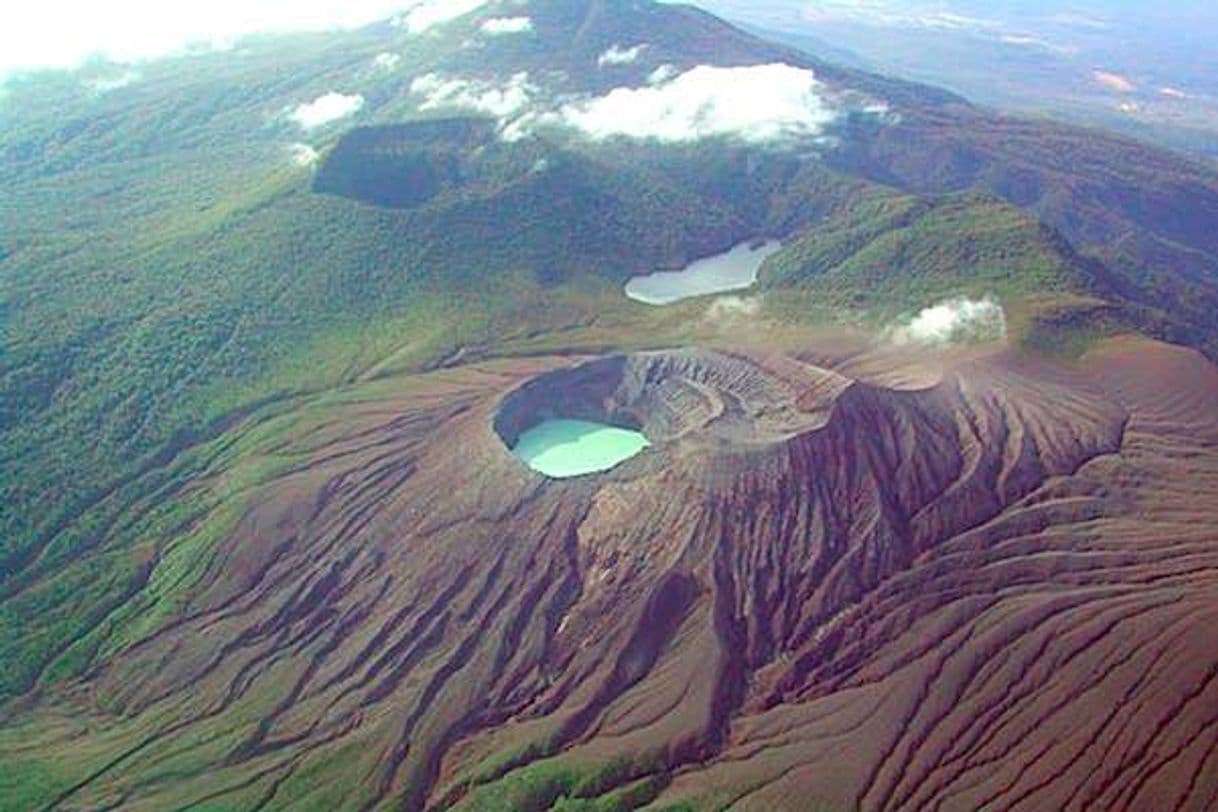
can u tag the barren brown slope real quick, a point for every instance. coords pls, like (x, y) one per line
(999, 590)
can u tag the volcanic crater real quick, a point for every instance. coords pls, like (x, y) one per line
(681, 399)
(833, 577)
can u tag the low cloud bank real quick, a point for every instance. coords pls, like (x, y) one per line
(500, 26)
(757, 103)
(1114, 81)
(326, 109)
(387, 61)
(427, 14)
(101, 85)
(662, 74)
(733, 308)
(303, 155)
(955, 321)
(617, 55)
(70, 35)
(474, 95)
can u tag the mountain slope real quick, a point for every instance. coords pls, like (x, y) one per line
(405, 605)
(1144, 213)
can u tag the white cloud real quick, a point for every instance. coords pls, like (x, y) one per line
(617, 55)
(326, 109)
(733, 308)
(427, 14)
(303, 155)
(105, 84)
(953, 321)
(898, 14)
(501, 100)
(63, 33)
(1114, 81)
(1025, 41)
(507, 25)
(662, 74)
(1071, 19)
(757, 103)
(387, 61)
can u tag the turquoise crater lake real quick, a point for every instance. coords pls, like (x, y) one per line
(734, 271)
(561, 449)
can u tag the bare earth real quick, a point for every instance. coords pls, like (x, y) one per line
(860, 581)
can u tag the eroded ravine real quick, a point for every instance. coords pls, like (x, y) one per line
(811, 586)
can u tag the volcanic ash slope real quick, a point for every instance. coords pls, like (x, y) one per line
(997, 589)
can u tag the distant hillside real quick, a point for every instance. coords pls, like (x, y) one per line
(1144, 70)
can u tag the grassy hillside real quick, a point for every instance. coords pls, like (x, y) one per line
(1146, 215)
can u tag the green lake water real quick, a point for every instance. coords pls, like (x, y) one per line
(569, 448)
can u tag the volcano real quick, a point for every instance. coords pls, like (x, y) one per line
(920, 516)
(855, 579)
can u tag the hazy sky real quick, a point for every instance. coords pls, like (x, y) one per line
(1181, 14)
(61, 33)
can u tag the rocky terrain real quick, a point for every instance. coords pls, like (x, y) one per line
(842, 577)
